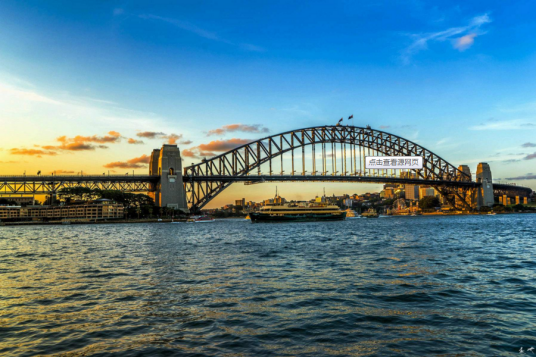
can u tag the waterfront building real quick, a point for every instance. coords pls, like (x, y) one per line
(241, 202)
(426, 191)
(97, 210)
(412, 192)
(21, 200)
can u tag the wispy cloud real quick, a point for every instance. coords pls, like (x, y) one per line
(528, 145)
(515, 124)
(526, 177)
(184, 26)
(26, 95)
(530, 157)
(465, 42)
(462, 37)
(20, 96)
(189, 27)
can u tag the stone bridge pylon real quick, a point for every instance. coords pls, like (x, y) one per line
(169, 190)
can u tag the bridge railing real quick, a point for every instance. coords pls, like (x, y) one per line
(71, 176)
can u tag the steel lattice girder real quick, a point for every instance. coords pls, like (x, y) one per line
(207, 179)
(47, 185)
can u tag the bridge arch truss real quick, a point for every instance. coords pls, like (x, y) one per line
(325, 153)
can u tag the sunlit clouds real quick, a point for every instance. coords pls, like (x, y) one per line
(150, 134)
(257, 128)
(134, 141)
(63, 172)
(81, 143)
(213, 147)
(223, 145)
(172, 139)
(135, 163)
(32, 152)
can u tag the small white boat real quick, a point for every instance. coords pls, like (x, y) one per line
(351, 214)
(370, 213)
(491, 213)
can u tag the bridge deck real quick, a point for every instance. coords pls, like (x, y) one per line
(10, 185)
(80, 178)
(328, 178)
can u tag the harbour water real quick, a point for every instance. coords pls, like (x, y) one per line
(394, 286)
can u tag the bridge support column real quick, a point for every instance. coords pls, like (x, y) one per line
(485, 192)
(169, 191)
(465, 198)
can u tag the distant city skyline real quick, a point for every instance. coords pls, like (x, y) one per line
(95, 86)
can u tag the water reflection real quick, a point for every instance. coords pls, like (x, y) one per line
(359, 287)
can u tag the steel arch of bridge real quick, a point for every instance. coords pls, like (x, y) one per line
(207, 179)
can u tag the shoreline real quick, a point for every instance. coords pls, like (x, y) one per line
(183, 220)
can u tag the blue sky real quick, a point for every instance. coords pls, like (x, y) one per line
(457, 77)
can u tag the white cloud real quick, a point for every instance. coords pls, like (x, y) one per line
(457, 34)
(26, 95)
(516, 124)
(201, 32)
(465, 42)
(36, 112)
(185, 26)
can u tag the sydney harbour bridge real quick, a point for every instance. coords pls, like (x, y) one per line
(317, 154)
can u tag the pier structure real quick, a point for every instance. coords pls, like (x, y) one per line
(168, 191)
(485, 190)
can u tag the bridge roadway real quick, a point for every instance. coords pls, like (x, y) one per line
(16, 185)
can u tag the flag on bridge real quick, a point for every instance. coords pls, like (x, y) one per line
(351, 117)
(339, 123)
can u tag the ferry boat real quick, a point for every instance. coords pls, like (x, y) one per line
(200, 219)
(370, 213)
(351, 214)
(298, 213)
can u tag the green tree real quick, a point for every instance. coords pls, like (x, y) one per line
(5, 201)
(69, 194)
(429, 202)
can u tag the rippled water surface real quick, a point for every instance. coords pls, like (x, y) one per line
(443, 286)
